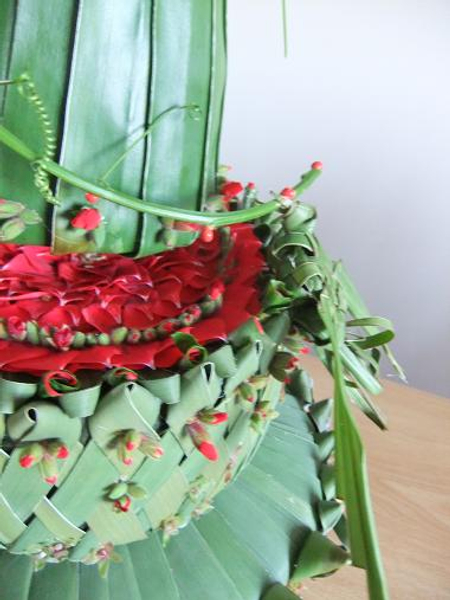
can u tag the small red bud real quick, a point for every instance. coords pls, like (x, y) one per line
(231, 189)
(193, 354)
(158, 452)
(317, 165)
(63, 453)
(130, 446)
(123, 504)
(305, 350)
(128, 461)
(51, 480)
(292, 362)
(27, 461)
(207, 234)
(219, 417)
(288, 193)
(209, 451)
(91, 198)
(124, 373)
(87, 219)
(251, 186)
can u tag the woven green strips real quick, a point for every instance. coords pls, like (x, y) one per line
(34, 515)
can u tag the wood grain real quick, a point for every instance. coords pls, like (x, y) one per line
(409, 468)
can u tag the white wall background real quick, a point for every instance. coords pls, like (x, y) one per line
(366, 90)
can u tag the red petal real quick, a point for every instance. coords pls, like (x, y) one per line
(100, 318)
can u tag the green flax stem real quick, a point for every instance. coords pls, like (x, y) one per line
(194, 108)
(159, 210)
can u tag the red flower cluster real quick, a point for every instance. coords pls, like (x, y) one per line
(96, 293)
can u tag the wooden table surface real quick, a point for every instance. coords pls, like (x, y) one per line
(409, 468)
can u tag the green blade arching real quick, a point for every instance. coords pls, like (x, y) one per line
(351, 469)
(113, 69)
(7, 18)
(188, 66)
(104, 107)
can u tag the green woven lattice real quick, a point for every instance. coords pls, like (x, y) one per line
(35, 515)
(237, 545)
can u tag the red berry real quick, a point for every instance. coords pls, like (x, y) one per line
(27, 461)
(63, 453)
(130, 446)
(317, 165)
(207, 234)
(91, 198)
(128, 461)
(288, 193)
(208, 450)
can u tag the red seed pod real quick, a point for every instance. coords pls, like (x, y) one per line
(317, 165)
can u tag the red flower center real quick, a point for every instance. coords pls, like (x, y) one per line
(96, 311)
